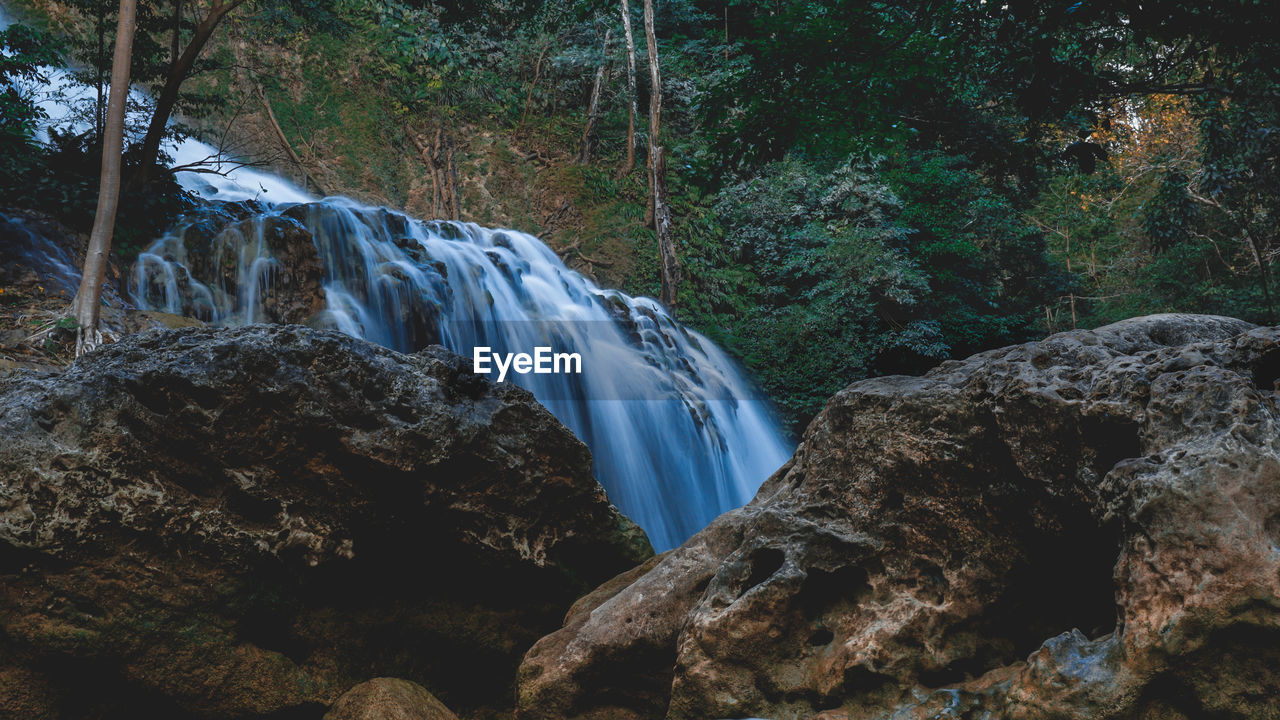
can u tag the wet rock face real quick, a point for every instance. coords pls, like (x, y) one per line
(235, 259)
(291, 291)
(1084, 527)
(246, 523)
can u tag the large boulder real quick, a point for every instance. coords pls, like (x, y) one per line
(245, 523)
(1084, 527)
(388, 699)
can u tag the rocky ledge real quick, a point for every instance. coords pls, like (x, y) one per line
(246, 523)
(1084, 527)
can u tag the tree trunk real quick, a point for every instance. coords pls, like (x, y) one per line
(438, 157)
(438, 193)
(630, 164)
(454, 213)
(100, 109)
(655, 104)
(670, 266)
(593, 107)
(442, 171)
(178, 72)
(89, 298)
(726, 32)
(660, 215)
(428, 160)
(175, 42)
(537, 75)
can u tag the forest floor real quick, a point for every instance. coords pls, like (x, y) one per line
(30, 335)
(36, 331)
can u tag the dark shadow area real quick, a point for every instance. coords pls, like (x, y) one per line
(1266, 371)
(764, 563)
(1110, 440)
(822, 590)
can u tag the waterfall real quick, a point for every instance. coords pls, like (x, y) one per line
(678, 433)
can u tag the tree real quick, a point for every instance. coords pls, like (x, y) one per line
(669, 267)
(179, 69)
(99, 110)
(175, 37)
(593, 107)
(89, 298)
(90, 44)
(630, 164)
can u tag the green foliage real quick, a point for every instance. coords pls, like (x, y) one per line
(1179, 220)
(816, 279)
(821, 76)
(293, 18)
(812, 282)
(23, 51)
(89, 27)
(1172, 216)
(989, 275)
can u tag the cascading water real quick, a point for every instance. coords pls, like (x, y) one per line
(677, 432)
(28, 248)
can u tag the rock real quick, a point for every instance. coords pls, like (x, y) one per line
(1083, 527)
(133, 321)
(244, 523)
(389, 699)
(25, 694)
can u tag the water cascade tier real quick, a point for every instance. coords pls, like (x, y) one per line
(678, 433)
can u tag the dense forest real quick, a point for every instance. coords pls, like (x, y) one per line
(854, 188)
